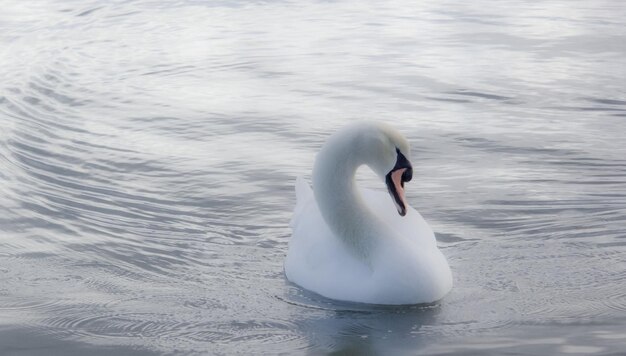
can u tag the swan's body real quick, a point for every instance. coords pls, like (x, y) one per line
(352, 245)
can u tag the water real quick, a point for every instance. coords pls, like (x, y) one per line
(148, 153)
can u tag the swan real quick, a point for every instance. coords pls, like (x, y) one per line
(360, 245)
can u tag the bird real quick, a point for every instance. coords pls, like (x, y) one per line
(360, 245)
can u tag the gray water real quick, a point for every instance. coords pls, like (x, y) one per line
(148, 153)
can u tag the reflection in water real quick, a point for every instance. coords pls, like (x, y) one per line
(362, 329)
(374, 332)
(148, 154)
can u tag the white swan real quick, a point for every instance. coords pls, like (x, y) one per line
(354, 245)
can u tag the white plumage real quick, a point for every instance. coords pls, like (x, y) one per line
(353, 244)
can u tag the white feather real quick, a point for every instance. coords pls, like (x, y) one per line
(354, 246)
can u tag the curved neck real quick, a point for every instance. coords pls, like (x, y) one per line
(339, 200)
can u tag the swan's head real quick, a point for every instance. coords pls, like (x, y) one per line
(377, 145)
(388, 155)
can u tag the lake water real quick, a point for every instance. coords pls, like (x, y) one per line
(148, 153)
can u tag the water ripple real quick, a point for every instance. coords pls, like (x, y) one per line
(147, 168)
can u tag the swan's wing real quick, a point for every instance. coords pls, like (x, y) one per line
(316, 259)
(413, 227)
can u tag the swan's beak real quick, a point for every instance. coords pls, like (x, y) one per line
(402, 172)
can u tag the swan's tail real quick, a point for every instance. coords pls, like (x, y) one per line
(303, 196)
(303, 190)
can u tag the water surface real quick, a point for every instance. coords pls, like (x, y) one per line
(148, 153)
